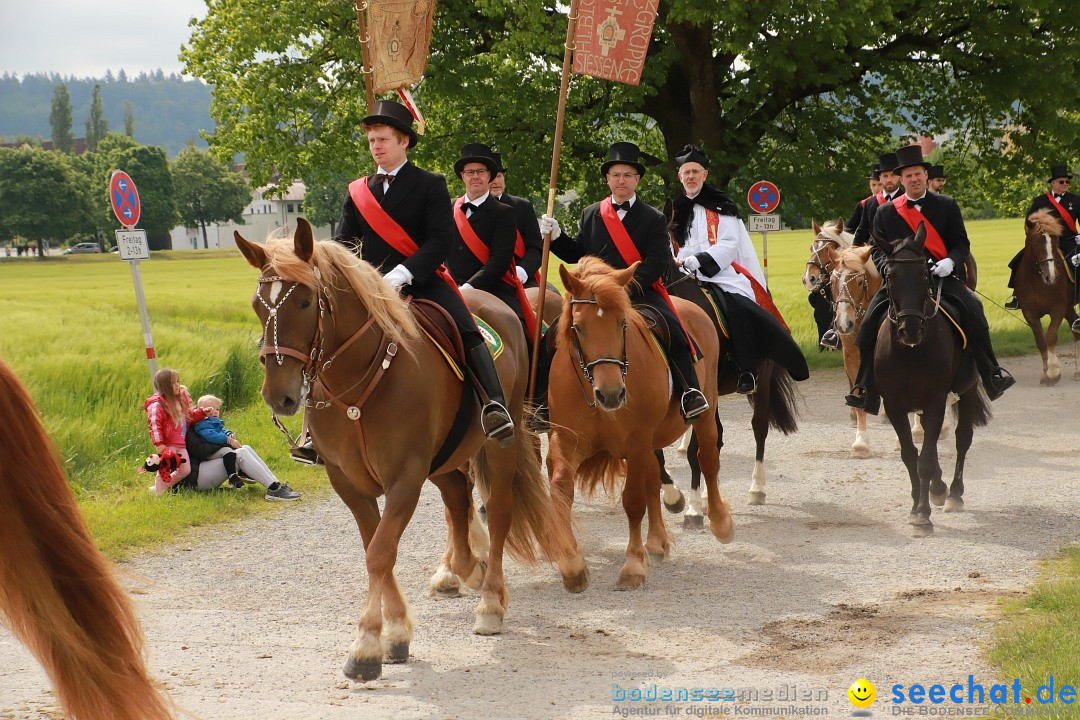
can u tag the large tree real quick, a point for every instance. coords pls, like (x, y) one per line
(96, 123)
(37, 195)
(207, 191)
(323, 198)
(60, 119)
(805, 91)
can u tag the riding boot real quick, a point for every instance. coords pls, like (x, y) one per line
(692, 402)
(495, 418)
(864, 393)
(995, 378)
(1012, 303)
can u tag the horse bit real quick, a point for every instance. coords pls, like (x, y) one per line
(896, 316)
(587, 367)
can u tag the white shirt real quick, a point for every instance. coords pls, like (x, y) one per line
(620, 212)
(394, 172)
(478, 202)
(732, 245)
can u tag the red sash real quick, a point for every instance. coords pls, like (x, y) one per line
(1065, 216)
(761, 295)
(880, 199)
(630, 255)
(483, 254)
(934, 244)
(387, 228)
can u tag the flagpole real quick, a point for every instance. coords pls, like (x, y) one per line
(571, 26)
(365, 54)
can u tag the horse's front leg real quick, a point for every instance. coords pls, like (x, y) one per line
(657, 544)
(707, 430)
(634, 500)
(563, 461)
(494, 597)
(908, 453)
(930, 468)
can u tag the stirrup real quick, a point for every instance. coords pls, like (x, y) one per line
(1012, 303)
(1000, 381)
(857, 397)
(747, 383)
(1075, 327)
(693, 405)
(497, 424)
(830, 340)
(306, 454)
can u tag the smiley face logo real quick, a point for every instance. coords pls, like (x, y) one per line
(862, 693)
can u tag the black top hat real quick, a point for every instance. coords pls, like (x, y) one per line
(875, 172)
(910, 156)
(1059, 171)
(498, 161)
(937, 171)
(394, 114)
(691, 153)
(887, 162)
(623, 153)
(477, 153)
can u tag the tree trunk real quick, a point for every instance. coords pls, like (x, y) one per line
(40, 250)
(205, 243)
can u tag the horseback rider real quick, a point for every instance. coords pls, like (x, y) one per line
(399, 220)
(890, 190)
(715, 247)
(823, 311)
(937, 178)
(1063, 205)
(947, 243)
(484, 235)
(621, 230)
(529, 246)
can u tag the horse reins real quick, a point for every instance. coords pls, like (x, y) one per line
(587, 367)
(896, 316)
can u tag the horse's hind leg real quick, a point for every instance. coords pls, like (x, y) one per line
(494, 597)
(861, 447)
(760, 424)
(708, 455)
(929, 468)
(657, 544)
(458, 561)
(694, 518)
(1053, 365)
(674, 500)
(965, 431)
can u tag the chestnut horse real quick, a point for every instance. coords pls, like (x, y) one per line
(611, 405)
(918, 360)
(57, 594)
(381, 400)
(827, 238)
(854, 280)
(1043, 287)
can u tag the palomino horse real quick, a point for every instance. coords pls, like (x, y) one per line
(827, 238)
(57, 594)
(854, 281)
(1043, 287)
(611, 404)
(918, 360)
(340, 343)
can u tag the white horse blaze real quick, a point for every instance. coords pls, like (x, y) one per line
(1052, 265)
(275, 290)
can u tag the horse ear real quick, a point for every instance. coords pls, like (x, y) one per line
(255, 254)
(623, 277)
(840, 226)
(920, 235)
(303, 243)
(571, 283)
(817, 228)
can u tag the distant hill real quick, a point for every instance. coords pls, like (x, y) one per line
(169, 110)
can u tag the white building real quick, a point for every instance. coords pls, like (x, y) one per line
(264, 215)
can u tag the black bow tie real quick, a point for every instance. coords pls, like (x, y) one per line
(466, 207)
(1057, 197)
(383, 177)
(625, 205)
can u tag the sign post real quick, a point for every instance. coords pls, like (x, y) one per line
(764, 197)
(133, 247)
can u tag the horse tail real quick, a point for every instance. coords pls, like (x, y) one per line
(975, 405)
(57, 592)
(783, 399)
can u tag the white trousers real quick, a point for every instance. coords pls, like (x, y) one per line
(212, 472)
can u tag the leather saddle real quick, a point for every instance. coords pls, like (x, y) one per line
(443, 331)
(658, 326)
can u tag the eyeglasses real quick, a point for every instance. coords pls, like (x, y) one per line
(1063, 182)
(471, 173)
(622, 175)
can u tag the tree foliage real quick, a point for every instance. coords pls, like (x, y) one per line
(207, 191)
(37, 197)
(324, 197)
(60, 119)
(804, 92)
(96, 124)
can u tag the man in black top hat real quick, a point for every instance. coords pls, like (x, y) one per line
(937, 179)
(1063, 205)
(419, 203)
(491, 223)
(528, 230)
(857, 215)
(647, 229)
(890, 190)
(715, 247)
(948, 253)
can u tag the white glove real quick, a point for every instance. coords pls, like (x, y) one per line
(691, 263)
(466, 286)
(523, 276)
(399, 276)
(943, 268)
(549, 226)
(1075, 260)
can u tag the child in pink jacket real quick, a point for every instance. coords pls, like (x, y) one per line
(168, 411)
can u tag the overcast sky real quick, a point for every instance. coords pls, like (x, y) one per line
(87, 37)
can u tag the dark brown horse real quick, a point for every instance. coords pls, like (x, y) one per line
(918, 360)
(341, 344)
(57, 594)
(611, 404)
(1043, 287)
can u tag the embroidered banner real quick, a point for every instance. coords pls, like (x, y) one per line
(612, 38)
(400, 35)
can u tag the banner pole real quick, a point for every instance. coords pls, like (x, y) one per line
(365, 54)
(571, 27)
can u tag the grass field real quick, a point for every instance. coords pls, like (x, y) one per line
(70, 328)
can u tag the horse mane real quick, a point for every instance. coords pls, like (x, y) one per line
(57, 594)
(336, 262)
(842, 239)
(1044, 223)
(851, 259)
(610, 296)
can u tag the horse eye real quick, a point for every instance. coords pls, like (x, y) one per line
(305, 304)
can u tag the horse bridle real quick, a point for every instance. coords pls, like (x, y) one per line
(895, 316)
(844, 294)
(587, 367)
(820, 243)
(1039, 263)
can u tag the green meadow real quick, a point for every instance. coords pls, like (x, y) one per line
(70, 328)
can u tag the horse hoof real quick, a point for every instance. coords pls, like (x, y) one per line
(655, 558)
(677, 507)
(693, 522)
(937, 500)
(757, 497)
(860, 452)
(724, 531)
(954, 504)
(913, 519)
(577, 583)
(446, 593)
(363, 670)
(397, 653)
(628, 581)
(922, 530)
(488, 624)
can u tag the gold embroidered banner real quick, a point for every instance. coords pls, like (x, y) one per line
(612, 38)
(400, 34)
